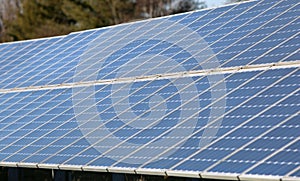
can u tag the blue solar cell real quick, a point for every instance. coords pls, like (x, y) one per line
(38, 134)
(231, 167)
(296, 173)
(12, 149)
(80, 160)
(273, 169)
(273, 143)
(24, 141)
(16, 157)
(50, 150)
(195, 165)
(252, 155)
(45, 140)
(30, 149)
(37, 158)
(57, 159)
(72, 150)
(286, 156)
(4, 48)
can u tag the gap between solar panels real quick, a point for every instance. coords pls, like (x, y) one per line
(206, 72)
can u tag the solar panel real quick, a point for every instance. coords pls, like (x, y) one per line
(211, 94)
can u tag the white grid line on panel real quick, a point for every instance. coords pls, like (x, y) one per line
(258, 137)
(29, 52)
(39, 60)
(31, 63)
(25, 115)
(168, 130)
(94, 117)
(200, 28)
(214, 42)
(11, 106)
(102, 35)
(231, 110)
(227, 112)
(90, 96)
(255, 31)
(293, 171)
(182, 39)
(124, 29)
(15, 53)
(270, 50)
(23, 125)
(5, 100)
(92, 105)
(11, 49)
(145, 98)
(275, 152)
(3, 47)
(184, 120)
(35, 61)
(266, 23)
(170, 35)
(132, 40)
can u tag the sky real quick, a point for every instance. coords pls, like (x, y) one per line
(214, 3)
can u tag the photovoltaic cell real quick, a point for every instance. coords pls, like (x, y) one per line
(211, 91)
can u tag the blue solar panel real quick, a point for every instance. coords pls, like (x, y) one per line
(48, 132)
(213, 92)
(247, 33)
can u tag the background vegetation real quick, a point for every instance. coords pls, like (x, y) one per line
(27, 19)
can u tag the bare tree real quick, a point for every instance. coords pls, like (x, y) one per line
(234, 1)
(156, 8)
(151, 8)
(8, 13)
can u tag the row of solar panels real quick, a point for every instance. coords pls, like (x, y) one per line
(39, 127)
(253, 33)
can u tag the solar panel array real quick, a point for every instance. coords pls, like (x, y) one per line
(211, 94)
